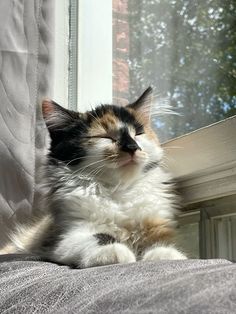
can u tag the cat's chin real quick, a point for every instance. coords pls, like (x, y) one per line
(128, 163)
(125, 165)
(122, 176)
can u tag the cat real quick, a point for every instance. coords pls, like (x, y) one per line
(109, 199)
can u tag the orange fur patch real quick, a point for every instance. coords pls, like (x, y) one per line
(151, 134)
(106, 124)
(151, 231)
(147, 126)
(157, 229)
(109, 121)
(47, 107)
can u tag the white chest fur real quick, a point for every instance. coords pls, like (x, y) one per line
(149, 199)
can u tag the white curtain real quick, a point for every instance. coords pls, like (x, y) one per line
(26, 61)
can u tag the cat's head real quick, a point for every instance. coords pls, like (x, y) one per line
(115, 144)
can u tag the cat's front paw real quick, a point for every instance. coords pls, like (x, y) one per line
(109, 254)
(163, 253)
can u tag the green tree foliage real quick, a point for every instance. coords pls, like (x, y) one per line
(187, 50)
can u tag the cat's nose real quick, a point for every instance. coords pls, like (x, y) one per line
(130, 147)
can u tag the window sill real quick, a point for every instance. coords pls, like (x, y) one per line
(204, 162)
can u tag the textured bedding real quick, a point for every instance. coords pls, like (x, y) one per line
(25, 77)
(188, 286)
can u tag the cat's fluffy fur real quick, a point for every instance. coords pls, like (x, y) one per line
(108, 200)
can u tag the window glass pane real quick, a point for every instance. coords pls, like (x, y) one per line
(224, 237)
(186, 50)
(188, 239)
(233, 234)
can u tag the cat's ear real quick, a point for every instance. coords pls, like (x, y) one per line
(143, 104)
(55, 116)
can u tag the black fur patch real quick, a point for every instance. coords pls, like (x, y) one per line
(69, 141)
(151, 165)
(52, 237)
(126, 142)
(104, 238)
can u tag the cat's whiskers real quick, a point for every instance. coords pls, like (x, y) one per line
(165, 160)
(83, 170)
(93, 172)
(98, 169)
(93, 163)
(112, 157)
(68, 178)
(84, 157)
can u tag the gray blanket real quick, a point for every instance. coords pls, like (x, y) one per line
(188, 286)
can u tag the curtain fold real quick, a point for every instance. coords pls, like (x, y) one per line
(26, 76)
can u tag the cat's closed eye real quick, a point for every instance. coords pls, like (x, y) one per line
(139, 133)
(113, 139)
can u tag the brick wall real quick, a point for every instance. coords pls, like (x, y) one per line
(120, 51)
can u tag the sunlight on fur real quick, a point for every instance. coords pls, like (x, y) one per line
(107, 198)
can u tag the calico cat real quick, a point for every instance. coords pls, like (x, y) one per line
(109, 199)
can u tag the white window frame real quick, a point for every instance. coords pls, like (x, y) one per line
(204, 162)
(93, 60)
(61, 53)
(95, 53)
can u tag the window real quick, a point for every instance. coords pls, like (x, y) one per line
(204, 165)
(186, 50)
(61, 60)
(209, 230)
